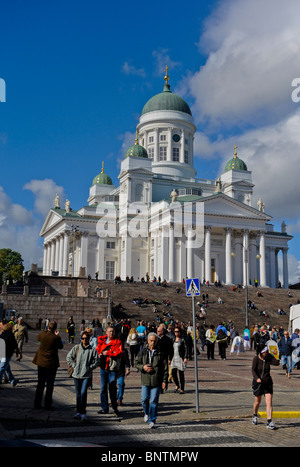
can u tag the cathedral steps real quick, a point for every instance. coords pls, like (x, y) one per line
(233, 306)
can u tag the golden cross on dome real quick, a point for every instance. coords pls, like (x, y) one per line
(235, 148)
(166, 75)
(136, 137)
(102, 171)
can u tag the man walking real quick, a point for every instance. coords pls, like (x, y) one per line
(154, 377)
(110, 351)
(21, 334)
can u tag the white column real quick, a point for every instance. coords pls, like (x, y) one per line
(252, 258)
(171, 253)
(262, 263)
(164, 263)
(208, 254)
(45, 260)
(83, 251)
(272, 267)
(285, 268)
(228, 258)
(155, 253)
(246, 257)
(65, 269)
(182, 266)
(56, 261)
(61, 255)
(52, 257)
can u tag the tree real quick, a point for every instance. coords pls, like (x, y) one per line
(11, 265)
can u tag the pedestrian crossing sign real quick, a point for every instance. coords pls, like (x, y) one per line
(192, 287)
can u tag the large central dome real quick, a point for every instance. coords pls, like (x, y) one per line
(166, 100)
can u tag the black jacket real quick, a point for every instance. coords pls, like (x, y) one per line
(10, 342)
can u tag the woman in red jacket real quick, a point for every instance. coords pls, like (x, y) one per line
(110, 351)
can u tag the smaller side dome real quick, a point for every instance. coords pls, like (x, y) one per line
(102, 178)
(235, 163)
(136, 150)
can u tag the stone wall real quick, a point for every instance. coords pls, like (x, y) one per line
(58, 298)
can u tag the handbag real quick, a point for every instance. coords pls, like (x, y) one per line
(114, 364)
(70, 367)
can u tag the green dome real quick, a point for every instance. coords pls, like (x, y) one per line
(102, 178)
(166, 100)
(137, 151)
(235, 163)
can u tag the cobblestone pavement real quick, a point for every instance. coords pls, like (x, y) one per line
(224, 417)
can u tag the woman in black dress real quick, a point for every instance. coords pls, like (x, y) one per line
(263, 384)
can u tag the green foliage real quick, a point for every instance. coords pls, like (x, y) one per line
(11, 265)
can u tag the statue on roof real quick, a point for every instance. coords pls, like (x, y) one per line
(283, 227)
(174, 195)
(57, 201)
(260, 205)
(67, 206)
(218, 184)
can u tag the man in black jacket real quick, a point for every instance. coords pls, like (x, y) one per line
(165, 345)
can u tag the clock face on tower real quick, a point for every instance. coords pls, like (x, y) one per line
(176, 138)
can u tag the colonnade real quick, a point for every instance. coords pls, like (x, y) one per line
(246, 255)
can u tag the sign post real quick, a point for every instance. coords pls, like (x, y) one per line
(192, 290)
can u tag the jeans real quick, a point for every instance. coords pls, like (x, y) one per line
(121, 387)
(286, 362)
(149, 399)
(108, 379)
(81, 388)
(5, 368)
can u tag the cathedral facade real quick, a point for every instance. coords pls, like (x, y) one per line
(163, 221)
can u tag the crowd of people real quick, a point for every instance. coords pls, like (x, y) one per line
(158, 351)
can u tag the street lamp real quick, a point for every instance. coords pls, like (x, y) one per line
(246, 261)
(74, 229)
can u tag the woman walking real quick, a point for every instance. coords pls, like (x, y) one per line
(222, 343)
(84, 359)
(263, 384)
(133, 341)
(210, 342)
(179, 360)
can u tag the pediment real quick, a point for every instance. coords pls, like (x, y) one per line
(52, 220)
(223, 205)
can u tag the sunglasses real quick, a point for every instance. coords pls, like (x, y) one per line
(85, 338)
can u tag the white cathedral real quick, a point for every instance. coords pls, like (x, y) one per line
(164, 222)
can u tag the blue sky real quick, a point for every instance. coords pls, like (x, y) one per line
(78, 74)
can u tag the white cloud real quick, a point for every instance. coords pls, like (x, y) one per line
(132, 70)
(253, 50)
(272, 153)
(45, 192)
(163, 59)
(19, 230)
